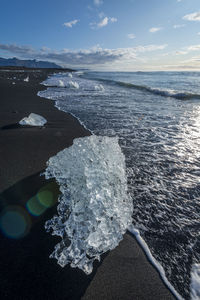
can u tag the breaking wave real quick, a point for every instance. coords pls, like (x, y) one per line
(181, 95)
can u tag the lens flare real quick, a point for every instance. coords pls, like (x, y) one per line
(34, 206)
(15, 222)
(46, 198)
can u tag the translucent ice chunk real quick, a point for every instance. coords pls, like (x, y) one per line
(33, 120)
(61, 83)
(94, 209)
(70, 75)
(26, 79)
(99, 87)
(74, 84)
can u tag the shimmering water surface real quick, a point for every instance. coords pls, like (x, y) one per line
(156, 116)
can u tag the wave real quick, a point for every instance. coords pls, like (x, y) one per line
(181, 95)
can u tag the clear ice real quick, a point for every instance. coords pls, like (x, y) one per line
(94, 209)
(33, 120)
(74, 84)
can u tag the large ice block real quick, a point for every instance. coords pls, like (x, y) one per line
(94, 209)
(33, 120)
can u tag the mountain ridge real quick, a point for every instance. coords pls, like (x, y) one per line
(28, 63)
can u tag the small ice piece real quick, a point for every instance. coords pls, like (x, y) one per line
(94, 209)
(70, 75)
(99, 87)
(195, 282)
(33, 120)
(26, 79)
(13, 82)
(74, 84)
(61, 83)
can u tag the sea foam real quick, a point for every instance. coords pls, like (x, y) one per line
(195, 282)
(94, 209)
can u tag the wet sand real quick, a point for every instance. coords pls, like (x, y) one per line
(26, 270)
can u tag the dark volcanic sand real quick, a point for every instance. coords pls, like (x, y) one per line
(26, 272)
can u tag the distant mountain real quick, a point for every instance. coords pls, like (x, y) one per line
(15, 62)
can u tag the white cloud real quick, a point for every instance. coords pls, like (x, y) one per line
(198, 33)
(98, 2)
(71, 23)
(104, 22)
(155, 29)
(131, 36)
(181, 52)
(101, 15)
(113, 20)
(83, 57)
(192, 17)
(178, 26)
(193, 48)
(179, 0)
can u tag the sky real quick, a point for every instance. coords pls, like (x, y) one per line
(108, 35)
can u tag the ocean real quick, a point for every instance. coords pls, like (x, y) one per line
(156, 116)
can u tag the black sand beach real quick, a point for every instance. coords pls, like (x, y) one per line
(27, 273)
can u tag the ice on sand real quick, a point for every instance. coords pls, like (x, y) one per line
(94, 209)
(26, 79)
(33, 120)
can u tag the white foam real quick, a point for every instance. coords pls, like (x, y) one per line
(94, 209)
(33, 120)
(70, 75)
(79, 73)
(195, 282)
(172, 93)
(74, 84)
(154, 262)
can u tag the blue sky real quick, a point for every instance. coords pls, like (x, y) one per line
(104, 34)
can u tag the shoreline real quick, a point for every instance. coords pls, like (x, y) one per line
(124, 273)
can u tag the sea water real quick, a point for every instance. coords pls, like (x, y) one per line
(156, 116)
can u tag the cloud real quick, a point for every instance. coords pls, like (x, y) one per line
(192, 17)
(181, 52)
(98, 2)
(155, 29)
(71, 23)
(83, 57)
(178, 26)
(193, 48)
(104, 22)
(131, 36)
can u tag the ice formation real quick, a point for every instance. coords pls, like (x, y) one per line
(26, 79)
(70, 75)
(61, 83)
(99, 87)
(74, 84)
(195, 282)
(94, 208)
(33, 120)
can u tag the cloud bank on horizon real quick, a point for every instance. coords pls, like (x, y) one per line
(99, 35)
